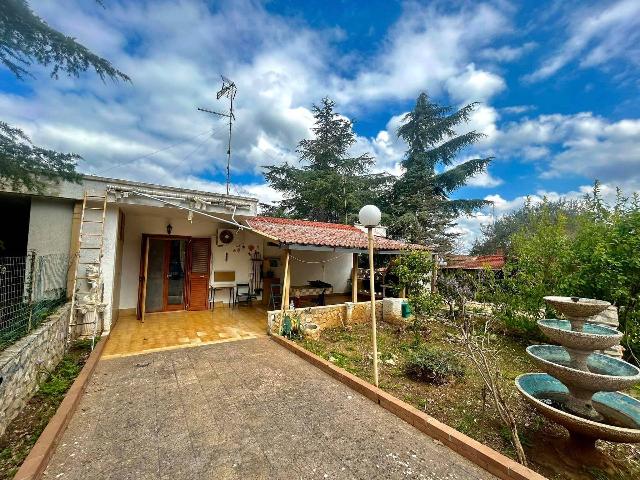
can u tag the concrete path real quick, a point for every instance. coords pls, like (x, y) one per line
(239, 410)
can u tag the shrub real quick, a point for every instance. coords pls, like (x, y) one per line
(425, 303)
(413, 270)
(433, 365)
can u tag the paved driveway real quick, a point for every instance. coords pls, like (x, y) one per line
(246, 409)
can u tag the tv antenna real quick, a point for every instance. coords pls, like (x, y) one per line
(228, 90)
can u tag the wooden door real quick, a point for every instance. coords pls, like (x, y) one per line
(198, 283)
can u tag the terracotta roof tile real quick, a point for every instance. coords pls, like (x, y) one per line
(469, 262)
(305, 232)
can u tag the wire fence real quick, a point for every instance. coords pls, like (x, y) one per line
(31, 288)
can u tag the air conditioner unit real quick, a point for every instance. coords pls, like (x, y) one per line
(224, 237)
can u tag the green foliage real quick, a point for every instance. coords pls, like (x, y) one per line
(36, 312)
(61, 379)
(330, 185)
(24, 165)
(23, 432)
(420, 208)
(591, 250)
(456, 287)
(433, 365)
(413, 269)
(498, 235)
(26, 39)
(425, 304)
(542, 250)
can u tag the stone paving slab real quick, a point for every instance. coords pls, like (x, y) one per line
(239, 410)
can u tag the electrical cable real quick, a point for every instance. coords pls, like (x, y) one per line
(128, 161)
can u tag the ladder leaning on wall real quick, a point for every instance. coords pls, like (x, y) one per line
(86, 293)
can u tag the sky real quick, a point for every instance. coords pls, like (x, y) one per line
(557, 84)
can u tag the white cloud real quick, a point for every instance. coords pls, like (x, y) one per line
(474, 85)
(508, 53)
(281, 66)
(470, 226)
(596, 36)
(422, 51)
(517, 109)
(581, 144)
(174, 50)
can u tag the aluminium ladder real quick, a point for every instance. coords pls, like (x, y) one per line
(89, 254)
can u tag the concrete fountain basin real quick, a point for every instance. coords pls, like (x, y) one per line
(593, 336)
(575, 307)
(604, 373)
(622, 412)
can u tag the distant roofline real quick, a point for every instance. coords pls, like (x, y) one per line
(156, 186)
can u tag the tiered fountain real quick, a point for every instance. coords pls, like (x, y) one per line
(579, 388)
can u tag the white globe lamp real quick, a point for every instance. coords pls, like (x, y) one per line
(369, 216)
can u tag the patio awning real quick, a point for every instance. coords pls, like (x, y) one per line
(307, 235)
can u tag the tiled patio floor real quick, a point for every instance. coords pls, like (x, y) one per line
(168, 330)
(239, 410)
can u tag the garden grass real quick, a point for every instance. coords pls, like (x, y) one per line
(24, 430)
(459, 403)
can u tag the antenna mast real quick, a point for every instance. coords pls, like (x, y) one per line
(228, 90)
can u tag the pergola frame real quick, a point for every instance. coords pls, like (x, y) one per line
(286, 261)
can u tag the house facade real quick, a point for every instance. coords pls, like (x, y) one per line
(172, 249)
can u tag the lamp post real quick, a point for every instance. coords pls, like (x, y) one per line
(370, 217)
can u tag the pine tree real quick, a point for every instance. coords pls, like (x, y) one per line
(26, 39)
(330, 185)
(420, 203)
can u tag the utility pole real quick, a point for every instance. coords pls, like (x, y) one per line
(228, 90)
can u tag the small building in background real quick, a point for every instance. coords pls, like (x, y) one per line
(474, 262)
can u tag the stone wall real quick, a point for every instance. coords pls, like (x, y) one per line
(22, 363)
(328, 316)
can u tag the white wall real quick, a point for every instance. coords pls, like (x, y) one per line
(110, 242)
(137, 224)
(238, 256)
(50, 225)
(336, 270)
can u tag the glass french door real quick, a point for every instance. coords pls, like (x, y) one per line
(166, 275)
(175, 274)
(175, 255)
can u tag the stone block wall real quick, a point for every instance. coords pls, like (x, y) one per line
(22, 364)
(329, 315)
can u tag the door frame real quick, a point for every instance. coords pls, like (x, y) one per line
(142, 281)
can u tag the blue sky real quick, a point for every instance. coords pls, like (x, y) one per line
(558, 84)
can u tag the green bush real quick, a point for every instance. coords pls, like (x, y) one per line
(425, 303)
(433, 365)
(585, 249)
(413, 269)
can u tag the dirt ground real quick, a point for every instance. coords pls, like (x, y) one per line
(460, 403)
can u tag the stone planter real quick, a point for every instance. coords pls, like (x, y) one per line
(311, 330)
